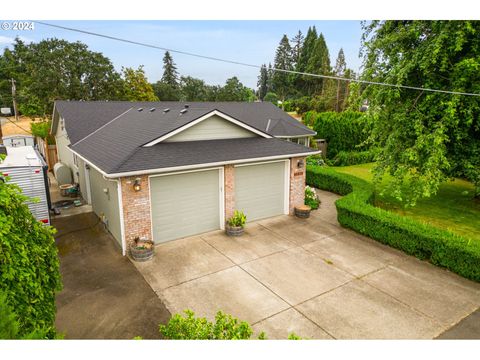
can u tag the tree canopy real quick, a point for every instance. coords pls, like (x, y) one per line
(426, 137)
(136, 86)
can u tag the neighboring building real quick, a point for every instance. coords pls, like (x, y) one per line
(25, 167)
(18, 140)
(167, 170)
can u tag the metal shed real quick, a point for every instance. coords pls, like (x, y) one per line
(25, 167)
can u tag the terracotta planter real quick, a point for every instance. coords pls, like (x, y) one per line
(303, 211)
(234, 230)
(142, 251)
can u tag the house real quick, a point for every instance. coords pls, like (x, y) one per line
(167, 170)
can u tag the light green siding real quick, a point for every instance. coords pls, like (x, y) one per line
(260, 190)
(184, 204)
(105, 204)
(212, 128)
(82, 179)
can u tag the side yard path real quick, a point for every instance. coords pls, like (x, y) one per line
(311, 277)
(103, 295)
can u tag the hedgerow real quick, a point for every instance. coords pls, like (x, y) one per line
(357, 212)
(345, 131)
(346, 158)
(29, 265)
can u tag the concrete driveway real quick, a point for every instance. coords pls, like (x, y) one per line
(311, 277)
(103, 295)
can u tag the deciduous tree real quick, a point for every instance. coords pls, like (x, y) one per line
(426, 137)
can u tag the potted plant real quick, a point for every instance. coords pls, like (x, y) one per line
(141, 249)
(311, 202)
(236, 224)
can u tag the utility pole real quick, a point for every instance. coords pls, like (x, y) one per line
(14, 90)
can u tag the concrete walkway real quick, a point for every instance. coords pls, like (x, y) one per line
(311, 277)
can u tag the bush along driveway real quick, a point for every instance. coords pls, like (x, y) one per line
(103, 296)
(356, 211)
(311, 277)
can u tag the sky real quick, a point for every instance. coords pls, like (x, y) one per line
(252, 42)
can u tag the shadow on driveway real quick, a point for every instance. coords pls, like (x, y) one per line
(103, 296)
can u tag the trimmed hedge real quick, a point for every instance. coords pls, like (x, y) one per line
(357, 212)
(346, 158)
(344, 131)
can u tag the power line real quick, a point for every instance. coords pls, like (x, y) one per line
(253, 65)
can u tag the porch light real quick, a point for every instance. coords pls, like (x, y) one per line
(300, 164)
(136, 185)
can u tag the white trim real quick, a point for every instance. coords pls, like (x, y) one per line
(221, 193)
(91, 164)
(199, 166)
(202, 118)
(294, 136)
(101, 127)
(260, 163)
(286, 206)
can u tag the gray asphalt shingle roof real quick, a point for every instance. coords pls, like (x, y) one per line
(111, 134)
(166, 155)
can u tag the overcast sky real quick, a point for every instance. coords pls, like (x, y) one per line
(252, 42)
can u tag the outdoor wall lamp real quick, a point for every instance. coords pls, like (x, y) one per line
(300, 164)
(136, 185)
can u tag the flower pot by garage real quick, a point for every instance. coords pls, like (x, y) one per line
(303, 211)
(234, 230)
(142, 250)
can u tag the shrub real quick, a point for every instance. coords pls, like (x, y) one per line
(189, 327)
(29, 266)
(346, 158)
(238, 219)
(311, 198)
(356, 211)
(9, 326)
(345, 131)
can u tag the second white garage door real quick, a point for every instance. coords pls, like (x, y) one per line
(185, 204)
(260, 190)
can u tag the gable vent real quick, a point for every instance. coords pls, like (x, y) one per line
(152, 110)
(140, 109)
(183, 111)
(166, 110)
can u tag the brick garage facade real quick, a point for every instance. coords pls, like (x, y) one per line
(136, 205)
(229, 173)
(136, 209)
(297, 183)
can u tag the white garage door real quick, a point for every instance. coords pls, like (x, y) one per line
(185, 204)
(260, 190)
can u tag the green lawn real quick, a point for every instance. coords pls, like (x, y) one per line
(453, 208)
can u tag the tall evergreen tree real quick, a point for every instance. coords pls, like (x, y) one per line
(283, 60)
(269, 78)
(170, 73)
(302, 82)
(262, 82)
(319, 63)
(297, 42)
(340, 70)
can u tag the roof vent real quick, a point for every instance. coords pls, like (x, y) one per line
(166, 110)
(183, 111)
(186, 106)
(152, 110)
(140, 109)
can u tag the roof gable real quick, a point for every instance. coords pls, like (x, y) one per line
(230, 131)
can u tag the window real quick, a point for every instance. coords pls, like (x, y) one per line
(75, 160)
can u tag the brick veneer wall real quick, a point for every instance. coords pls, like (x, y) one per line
(297, 183)
(229, 173)
(136, 209)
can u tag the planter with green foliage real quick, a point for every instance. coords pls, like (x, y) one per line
(142, 250)
(236, 224)
(356, 211)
